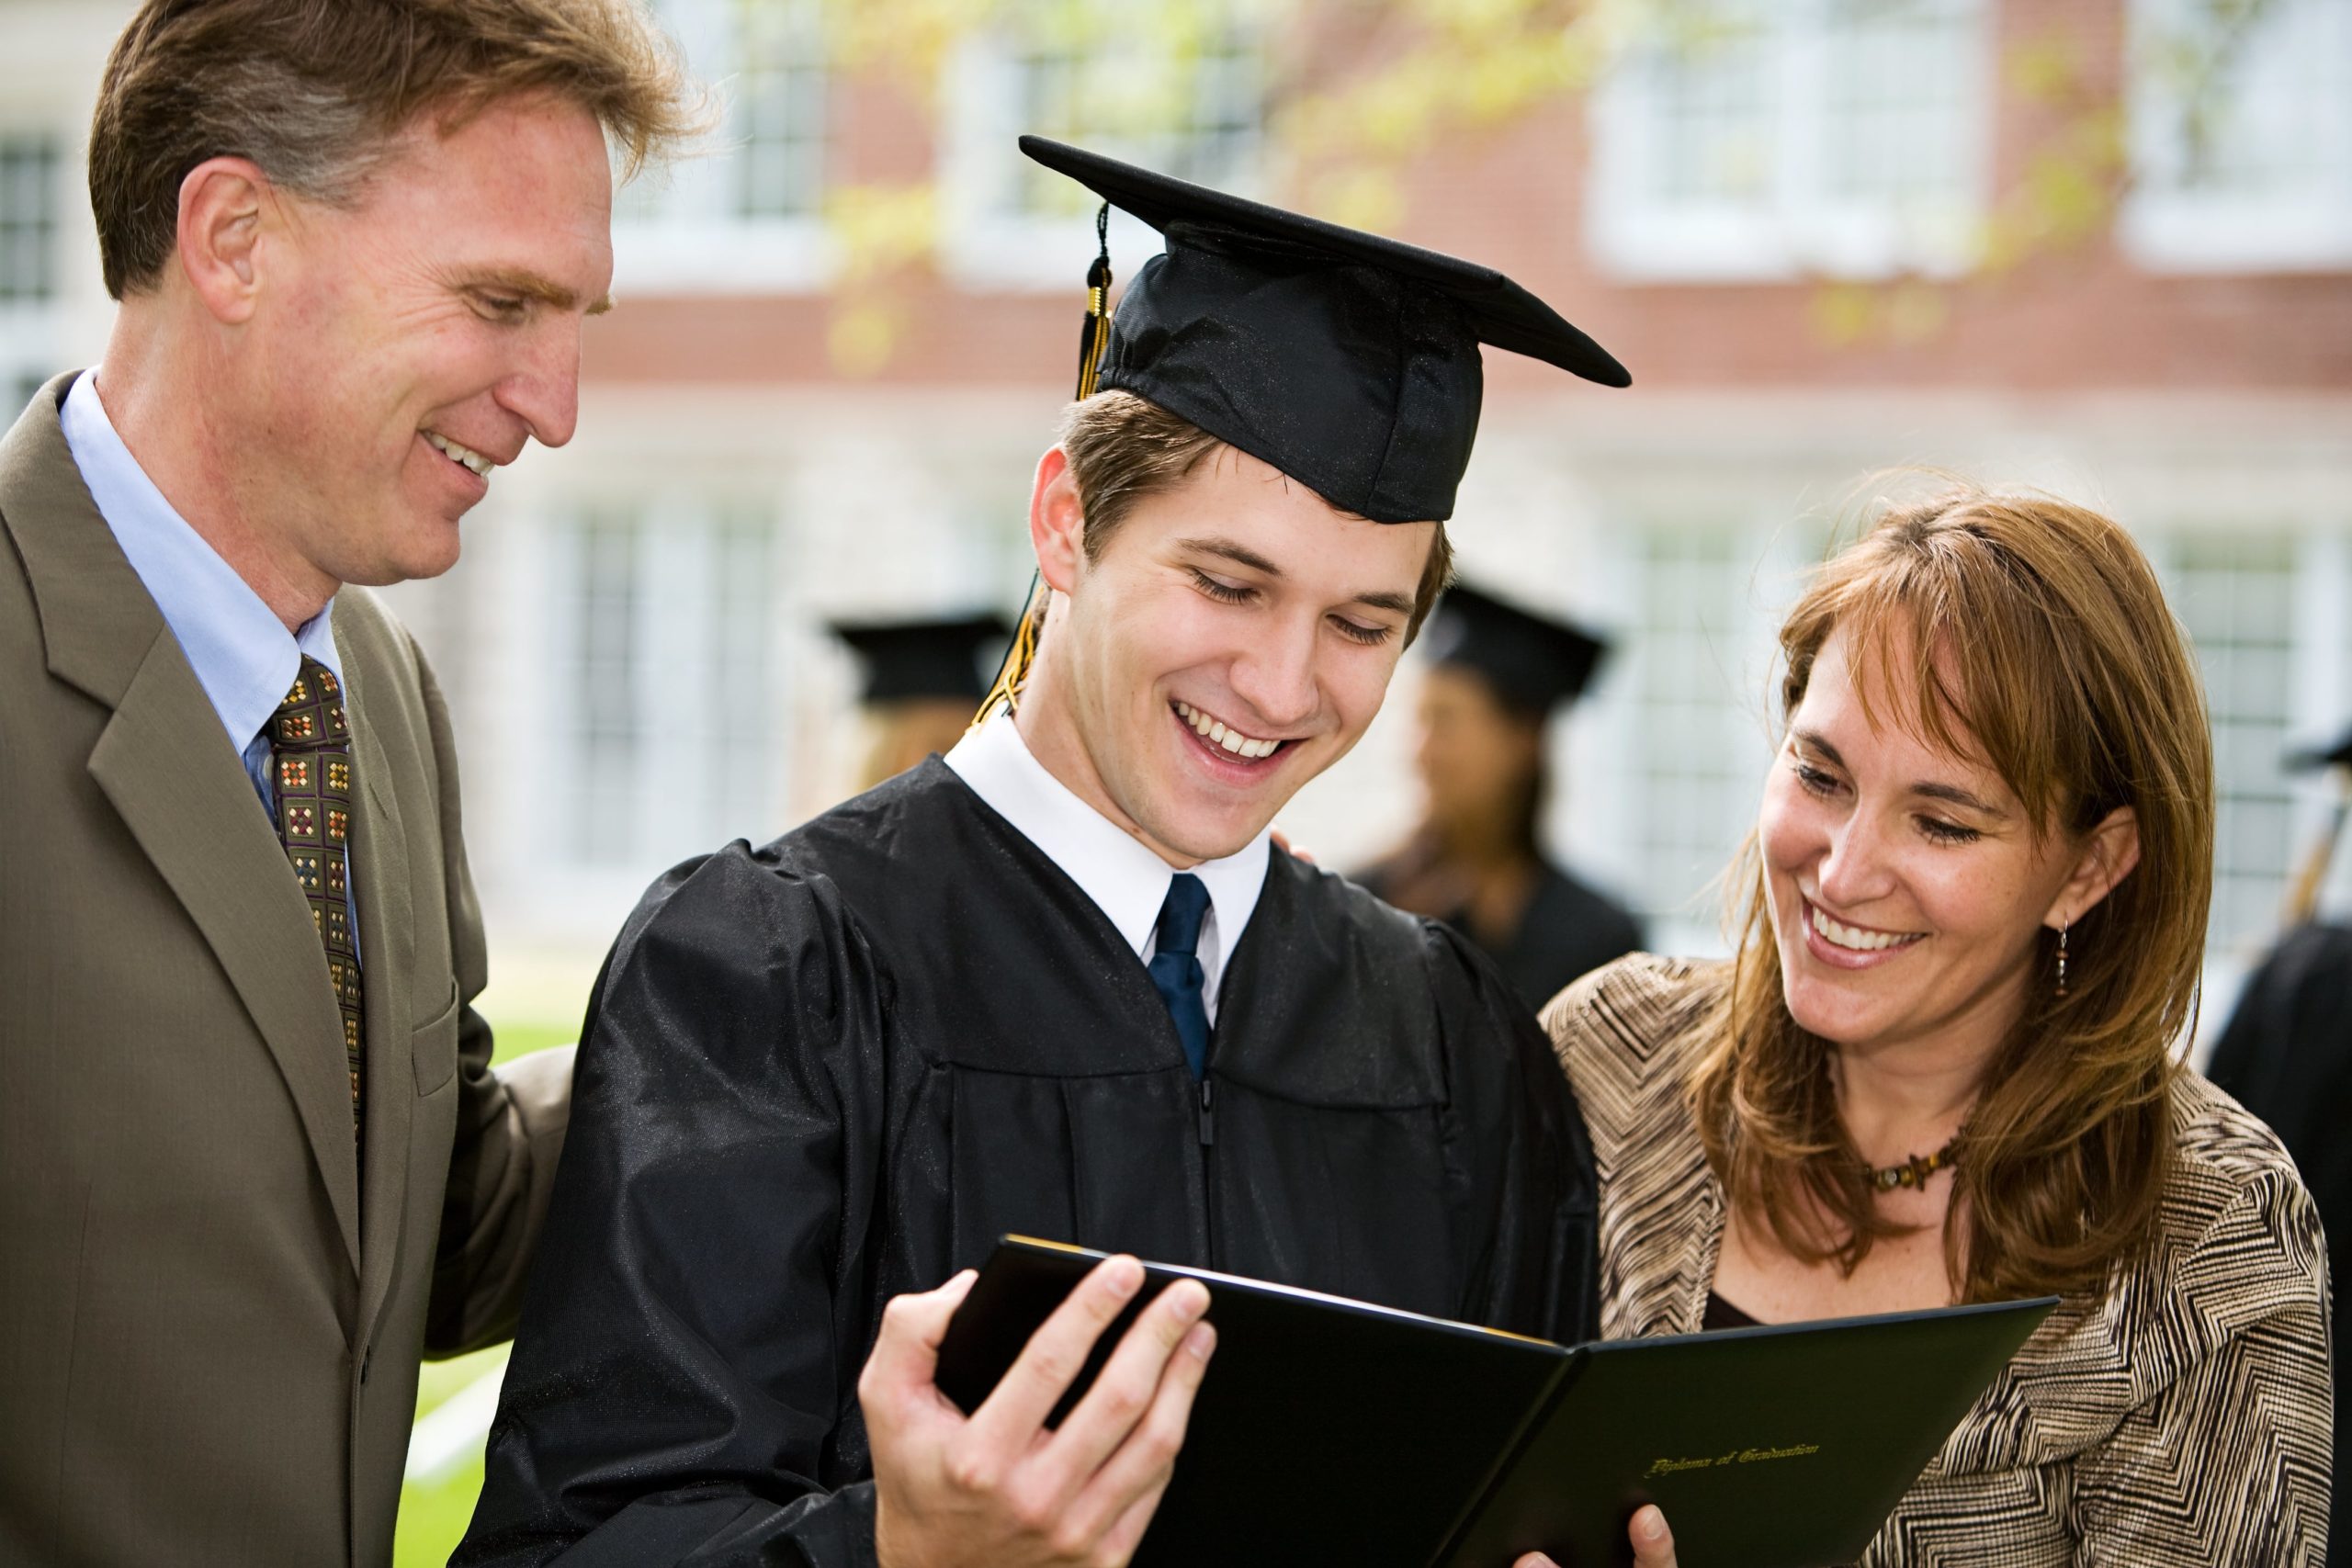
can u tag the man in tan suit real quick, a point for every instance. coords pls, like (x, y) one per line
(253, 1156)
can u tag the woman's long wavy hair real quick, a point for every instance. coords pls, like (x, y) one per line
(2033, 634)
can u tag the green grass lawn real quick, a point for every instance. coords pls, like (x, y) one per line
(434, 1514)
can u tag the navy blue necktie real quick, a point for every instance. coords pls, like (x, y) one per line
(1175, 969)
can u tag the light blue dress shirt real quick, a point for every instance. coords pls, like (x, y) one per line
(243, 655)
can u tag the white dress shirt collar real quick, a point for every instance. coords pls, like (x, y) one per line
(241, 653)
(1127, 881)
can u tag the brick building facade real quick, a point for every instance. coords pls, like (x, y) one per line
(1779, 220)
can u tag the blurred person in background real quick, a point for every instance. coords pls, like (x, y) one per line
(1939, 1065)
(1495, 675)
(1060, 984)
(2287, 1055)
(923, 683)
(253, 1156)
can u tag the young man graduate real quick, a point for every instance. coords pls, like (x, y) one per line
(1060, 984)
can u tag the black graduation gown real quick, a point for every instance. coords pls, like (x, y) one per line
(1568, 930)
(2286, 1056)
(821, 1074)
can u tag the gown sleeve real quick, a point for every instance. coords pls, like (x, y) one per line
(683, 1389)
(1528, 1196)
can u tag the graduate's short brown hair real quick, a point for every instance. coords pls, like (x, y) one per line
(1122, 448)
(316, 94)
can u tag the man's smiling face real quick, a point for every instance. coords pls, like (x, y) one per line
(418, 340)
(1232, 639)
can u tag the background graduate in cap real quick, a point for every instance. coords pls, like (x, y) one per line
(1060, 983)
(922, 682)
(2286, 1056)
(1495, 675)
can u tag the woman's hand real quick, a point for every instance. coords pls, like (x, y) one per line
(1653, 1543)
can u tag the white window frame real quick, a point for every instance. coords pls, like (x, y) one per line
(1799, 229)
(2168, 226)
(991, 241)
(687, 690)
(32, 331)
(696, 240)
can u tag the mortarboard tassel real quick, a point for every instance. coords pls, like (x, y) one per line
(1094, 335)
(1093, 338)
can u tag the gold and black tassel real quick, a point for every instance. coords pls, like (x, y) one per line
(1093, 343)
(1094, 335)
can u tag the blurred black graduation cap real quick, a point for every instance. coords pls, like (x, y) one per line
(2337, 755)
(1347, 361)
(1532, 662)
(925, 658)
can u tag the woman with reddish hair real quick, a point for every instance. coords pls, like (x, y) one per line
(1941, 1065)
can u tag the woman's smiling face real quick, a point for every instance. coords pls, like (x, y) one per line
(1907, 884)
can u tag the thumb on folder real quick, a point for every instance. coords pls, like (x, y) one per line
(1653, 1543)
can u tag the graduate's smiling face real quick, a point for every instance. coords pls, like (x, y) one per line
(1230, 639)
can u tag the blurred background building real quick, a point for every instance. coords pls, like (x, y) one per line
(2103, 246)
(2099, 245)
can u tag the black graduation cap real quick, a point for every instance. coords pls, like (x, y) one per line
(2338, 755)
(1348, 361)
(924, 658)
(1531, 661)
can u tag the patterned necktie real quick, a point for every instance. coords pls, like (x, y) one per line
(309, 743)
(1175, 969)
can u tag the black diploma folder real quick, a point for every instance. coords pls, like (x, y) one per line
(1333, 1431)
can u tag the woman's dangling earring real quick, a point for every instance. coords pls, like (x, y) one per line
(2062, 957)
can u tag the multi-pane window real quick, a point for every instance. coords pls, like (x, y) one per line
(1897, 119)
(601, 628)
(28, 200)
(1175, 87)
(1712, 98)
(2241, 133)
(745, 215)
(2236, 591)
(778, 108)
(1191, 110)
(1700, 747)
(1741, 138)
(668, 718)
(29, 195)
(739, 793)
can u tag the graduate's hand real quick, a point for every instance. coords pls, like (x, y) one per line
(1000, 1489)
(1653, 1543)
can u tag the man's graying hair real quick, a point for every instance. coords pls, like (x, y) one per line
(318, 93)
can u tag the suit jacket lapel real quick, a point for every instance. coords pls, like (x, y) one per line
(169, 773)
(386, 970)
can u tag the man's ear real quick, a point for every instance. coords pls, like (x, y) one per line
(225, 206)
(2106, 856)
(1057, 522)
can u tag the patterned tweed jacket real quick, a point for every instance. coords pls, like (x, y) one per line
(2182, 1417)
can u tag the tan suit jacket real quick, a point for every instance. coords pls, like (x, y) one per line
(209, 1315)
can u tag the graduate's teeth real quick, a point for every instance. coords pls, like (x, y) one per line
(457, 454)
(1837, 934)
(1215, 732)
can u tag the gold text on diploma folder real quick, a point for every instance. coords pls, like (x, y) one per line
(1737, 1456)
